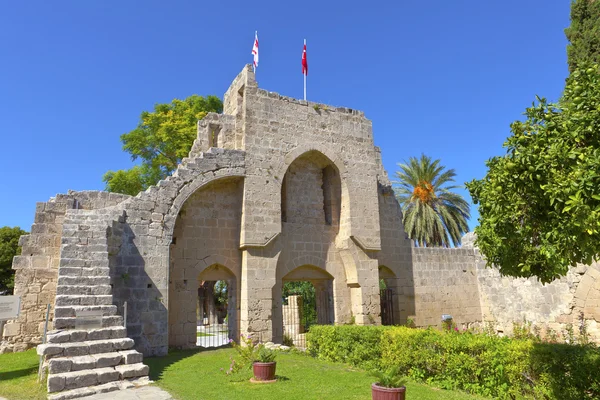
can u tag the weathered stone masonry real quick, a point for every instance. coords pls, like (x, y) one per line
(274, 189)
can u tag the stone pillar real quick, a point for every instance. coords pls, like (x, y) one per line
(256, 294)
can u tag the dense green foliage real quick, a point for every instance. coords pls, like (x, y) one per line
(161, 140)
(350, 344)
(478, 363)
(9, 247)
(539, 204)
(432, 214)
(584, 33)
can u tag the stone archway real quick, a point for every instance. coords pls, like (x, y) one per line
(204, 250)
(308, 299)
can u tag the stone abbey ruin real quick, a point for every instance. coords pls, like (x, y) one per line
(274, 190)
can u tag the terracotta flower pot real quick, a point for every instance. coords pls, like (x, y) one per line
(264, 371)
(384, 393)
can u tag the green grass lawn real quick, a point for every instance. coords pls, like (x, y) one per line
(197, 375)
(18, 376)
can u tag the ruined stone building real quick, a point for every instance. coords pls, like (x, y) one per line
(274, 190)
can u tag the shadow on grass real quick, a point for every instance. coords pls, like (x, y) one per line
(159, 364)
(6, 376)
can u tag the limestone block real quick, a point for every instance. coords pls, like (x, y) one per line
(59, 337)
(79, 379)
(12, 329)
(82, 363)
(75, 349)
(59, 365)
(131, 356)
(133, 370)
(56, 383)
(107, 359)
(107, 375)
(100, 346)
(49, 349)
(123, 344)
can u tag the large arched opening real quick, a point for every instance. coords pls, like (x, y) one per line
(205, 266)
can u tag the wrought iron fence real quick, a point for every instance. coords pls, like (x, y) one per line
(387, 306)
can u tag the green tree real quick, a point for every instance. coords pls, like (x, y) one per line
(539, 204)
(432, 214)
(9, 247)
(584, 33)
(161, 140)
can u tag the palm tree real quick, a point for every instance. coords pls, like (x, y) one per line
(432, 214)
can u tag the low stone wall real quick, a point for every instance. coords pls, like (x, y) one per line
(445, 283)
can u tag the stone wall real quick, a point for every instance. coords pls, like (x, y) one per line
(445, 282)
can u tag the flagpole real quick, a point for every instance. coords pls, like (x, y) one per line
(304, 77)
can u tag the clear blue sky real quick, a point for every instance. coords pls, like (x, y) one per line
(444, 78)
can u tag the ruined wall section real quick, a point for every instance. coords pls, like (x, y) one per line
(396, 254)
(445, 282)
(36, 269)
(146, 238)
(207, 232)
(278, 129)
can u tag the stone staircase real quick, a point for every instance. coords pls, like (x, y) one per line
(82, 361)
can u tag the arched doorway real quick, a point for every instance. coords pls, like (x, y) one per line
(205, 266)
(216, 311)
(387, 285)
(307, 299)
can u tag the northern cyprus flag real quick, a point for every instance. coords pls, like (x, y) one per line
(255, 50)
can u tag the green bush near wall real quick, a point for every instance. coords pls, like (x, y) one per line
(359, 346)
(481, 364)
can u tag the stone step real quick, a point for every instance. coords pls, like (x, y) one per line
(82, 262)
(102, 360)
(83, 271)
(83, 300)
(85, 290)
(79, 335)
(105, 388)
(69, 322)
(91, 248)
(55, 350)
(93, 377)
(71, 311)
(83, 280)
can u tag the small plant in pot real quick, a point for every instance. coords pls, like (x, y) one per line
(389, 385)
(264, 365)
(255, 356)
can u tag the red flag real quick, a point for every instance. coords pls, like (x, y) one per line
(304, 62)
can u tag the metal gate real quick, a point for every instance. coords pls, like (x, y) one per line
(212, 329)
(387, 306)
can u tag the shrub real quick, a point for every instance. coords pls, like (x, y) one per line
(494, 366)
(355, 345)
(483, 364)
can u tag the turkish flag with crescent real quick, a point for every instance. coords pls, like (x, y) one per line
(304, 62)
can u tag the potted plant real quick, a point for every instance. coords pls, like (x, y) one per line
(389, 385)
(264, 365)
